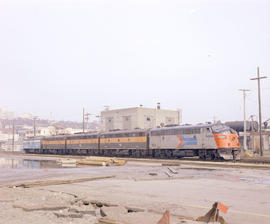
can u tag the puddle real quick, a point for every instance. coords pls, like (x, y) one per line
(256, 180)
(195, 168)
(28, 163)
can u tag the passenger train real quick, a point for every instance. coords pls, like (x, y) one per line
(208, 141)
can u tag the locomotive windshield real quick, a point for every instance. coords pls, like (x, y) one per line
(221, 129)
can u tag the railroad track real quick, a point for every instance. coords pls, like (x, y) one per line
(259, 163)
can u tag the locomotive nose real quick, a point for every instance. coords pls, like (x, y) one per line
(226, 140)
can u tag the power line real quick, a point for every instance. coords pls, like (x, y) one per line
(253, 101)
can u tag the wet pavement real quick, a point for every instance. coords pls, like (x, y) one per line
(18, 163)
(20, 168)
(191, 190)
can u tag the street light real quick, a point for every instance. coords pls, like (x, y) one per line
(245, 122)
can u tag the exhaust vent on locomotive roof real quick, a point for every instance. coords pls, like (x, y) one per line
(171, 125)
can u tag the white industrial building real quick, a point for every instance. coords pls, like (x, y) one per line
(138, 118)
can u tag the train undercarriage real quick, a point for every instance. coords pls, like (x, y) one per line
(203, 154)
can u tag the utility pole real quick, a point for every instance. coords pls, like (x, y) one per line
(260, 110)
(83, 121)
(34, 118)
(86, 118)
(245, 122)
(214, 119)
(13, 135)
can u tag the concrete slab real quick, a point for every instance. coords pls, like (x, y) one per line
(188, 195)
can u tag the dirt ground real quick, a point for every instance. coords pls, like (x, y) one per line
(138, 193)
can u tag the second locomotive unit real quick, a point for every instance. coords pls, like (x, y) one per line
(208, 141)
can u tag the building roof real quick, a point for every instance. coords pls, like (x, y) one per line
(135, 108)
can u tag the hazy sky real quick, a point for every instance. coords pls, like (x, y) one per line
(62, 55)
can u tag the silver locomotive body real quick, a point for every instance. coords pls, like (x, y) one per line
(189, 140)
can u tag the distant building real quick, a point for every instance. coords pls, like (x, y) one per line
(49, 131)
(138, 118)
(26, 116)
(253, 141)
(5, 137)
(253, 136)
(72, 130)
(10, 145)
(4, 114)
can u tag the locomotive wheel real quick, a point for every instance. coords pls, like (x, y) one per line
(209, 155)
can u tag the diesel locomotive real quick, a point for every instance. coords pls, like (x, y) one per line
(208, 141)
